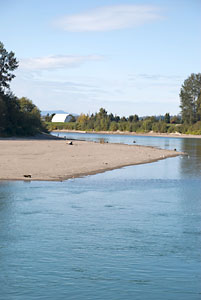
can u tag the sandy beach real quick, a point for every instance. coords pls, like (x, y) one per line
(57, 160)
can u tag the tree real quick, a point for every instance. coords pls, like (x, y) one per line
(102, 113)
(167, 118)
(27, 105)
(73, 119)
(17, 116)
(190, 91)
(83, 120)
(123, 119)
(198, 108)
(135, 118)
(8, 64)
(48, 117)
(175, 120)
(130, 118)
(30, 117)
(147, 125)
(113, 126)
(111, 117)
(3, 113)
(10, 116)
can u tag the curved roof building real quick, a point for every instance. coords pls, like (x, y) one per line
(63, 118)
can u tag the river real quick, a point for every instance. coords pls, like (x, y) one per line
(131, 233)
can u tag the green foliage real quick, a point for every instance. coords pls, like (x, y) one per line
(31, 119)
(27, 105)
(189, 95)
(73, 119)
(59, 126)
(105, 122)
(113, 126)
(8, 64)
(147, 125)
(198, 108)
(48, 117)
(10, 114)
(194, 129)
(172, 129)
(133, 118)
(102, 121)
(19, 116)
(167, 118)
(175, 120)
(102, 113)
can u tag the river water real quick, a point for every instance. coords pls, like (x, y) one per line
(131, 233)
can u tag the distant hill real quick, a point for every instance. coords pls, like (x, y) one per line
(160, 117)
(50, 112)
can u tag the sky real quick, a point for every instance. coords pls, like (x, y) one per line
(130, 57)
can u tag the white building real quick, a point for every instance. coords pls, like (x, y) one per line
(63, 118)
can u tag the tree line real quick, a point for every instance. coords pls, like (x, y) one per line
(102, 121)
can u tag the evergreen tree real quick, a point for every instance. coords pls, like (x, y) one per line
(167, 118)
(190, 91)
(198, 108)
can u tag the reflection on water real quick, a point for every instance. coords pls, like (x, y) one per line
(131, 233)
(191, 166)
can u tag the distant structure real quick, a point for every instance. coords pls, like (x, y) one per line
(63, 118)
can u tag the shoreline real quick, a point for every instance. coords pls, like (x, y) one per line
(41, 136)
(151, 134)
(56, 160)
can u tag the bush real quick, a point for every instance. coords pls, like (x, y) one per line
(113, 126)
(19, 117)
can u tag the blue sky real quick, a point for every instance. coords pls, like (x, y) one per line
(130, 57)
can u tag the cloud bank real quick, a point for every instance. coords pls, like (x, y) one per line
(109, 18)
(56, 62)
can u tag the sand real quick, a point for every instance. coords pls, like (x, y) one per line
(57, 160)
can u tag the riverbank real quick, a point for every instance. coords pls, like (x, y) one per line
(155, 134)
(56, 160)
(39, 136)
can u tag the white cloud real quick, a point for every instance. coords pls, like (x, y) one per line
(56, 62)
(109, 18)
(160, 77)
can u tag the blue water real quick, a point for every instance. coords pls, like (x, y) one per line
(131, 233)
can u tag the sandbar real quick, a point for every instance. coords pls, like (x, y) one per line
(56, 160)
